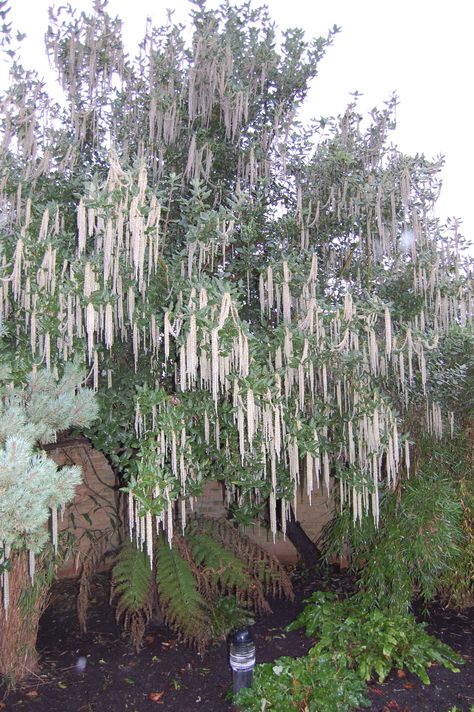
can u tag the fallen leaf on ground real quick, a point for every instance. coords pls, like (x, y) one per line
(401, 673)
(156, 696)
(32, 694)
(408, 685)
(376, 690)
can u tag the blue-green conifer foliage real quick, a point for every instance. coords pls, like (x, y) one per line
(31, 483)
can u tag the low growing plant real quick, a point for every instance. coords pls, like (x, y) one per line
(355, 642)
(314, 683)
(375, 640)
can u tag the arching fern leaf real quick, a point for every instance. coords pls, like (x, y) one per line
(224, 569)
(258, 563)
(226, 573)
(132, 586)
(183, 605)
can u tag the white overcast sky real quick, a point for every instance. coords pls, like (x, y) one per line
(420, 49)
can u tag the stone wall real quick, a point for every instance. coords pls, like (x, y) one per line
(312, 517)
(92, 514)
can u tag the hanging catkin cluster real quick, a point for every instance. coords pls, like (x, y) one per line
(120, 245)
(342, 352)
(174, 201)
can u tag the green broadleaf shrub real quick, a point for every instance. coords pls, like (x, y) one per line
(355, 643)
(375, 640)
(316, 684)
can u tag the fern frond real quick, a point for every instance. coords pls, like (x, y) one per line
(225, 571)
(202, 580)
(262, 566)
(184, 607)
(132, 586)
(90, 564)
(227, 615)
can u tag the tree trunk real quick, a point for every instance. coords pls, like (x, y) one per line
(19, 623)
(306, 548)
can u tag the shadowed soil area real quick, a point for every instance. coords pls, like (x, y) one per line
(100, 672)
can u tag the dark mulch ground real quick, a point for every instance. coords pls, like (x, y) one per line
(115, 679)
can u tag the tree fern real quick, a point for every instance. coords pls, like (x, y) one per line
(184, 607)
(132, 586)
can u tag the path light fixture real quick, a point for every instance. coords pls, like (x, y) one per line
(242, 658)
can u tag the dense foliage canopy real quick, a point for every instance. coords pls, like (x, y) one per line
(257, 302)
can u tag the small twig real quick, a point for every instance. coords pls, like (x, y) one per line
(34, 674)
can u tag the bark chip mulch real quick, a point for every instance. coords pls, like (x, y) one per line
(99, 672)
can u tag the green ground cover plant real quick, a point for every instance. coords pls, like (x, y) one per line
(354, 644)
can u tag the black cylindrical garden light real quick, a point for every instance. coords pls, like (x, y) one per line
(242, 658)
